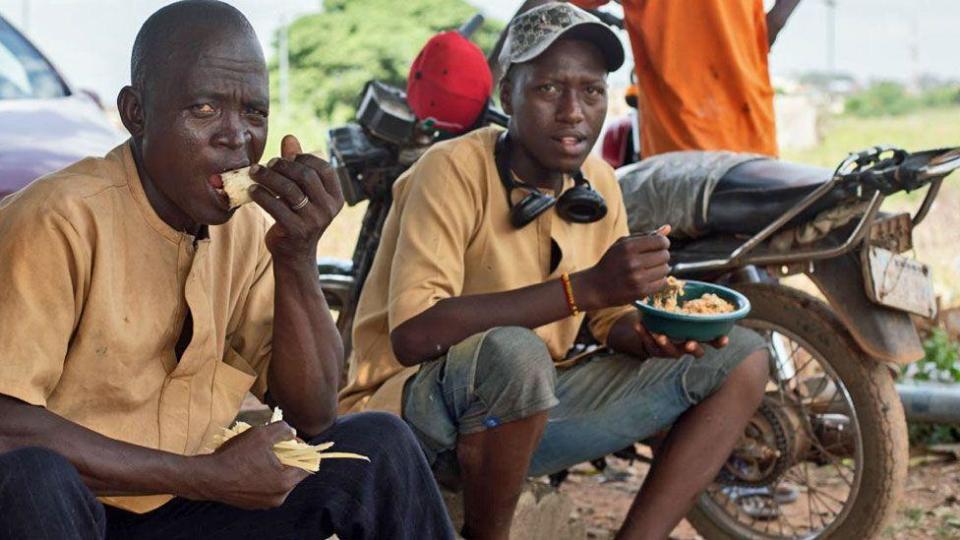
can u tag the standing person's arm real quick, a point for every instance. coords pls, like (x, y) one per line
(777, 18)
(307, 352)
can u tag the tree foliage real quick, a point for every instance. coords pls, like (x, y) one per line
(890, 98)
(334, 52)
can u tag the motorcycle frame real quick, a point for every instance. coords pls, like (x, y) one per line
(743, 255)
(884, 334)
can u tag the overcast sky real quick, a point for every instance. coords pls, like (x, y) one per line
(90, 40)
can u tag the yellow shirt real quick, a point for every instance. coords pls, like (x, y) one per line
(95, 290)
(448, 234)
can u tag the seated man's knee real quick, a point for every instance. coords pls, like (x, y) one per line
(378, 431)
(387, 425)
(749, 378)
(514, 353)
(756, 371)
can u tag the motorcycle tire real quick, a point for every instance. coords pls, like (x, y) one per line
(879, 412)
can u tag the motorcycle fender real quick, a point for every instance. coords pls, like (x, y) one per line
(883, 333)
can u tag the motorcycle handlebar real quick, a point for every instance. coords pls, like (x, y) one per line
(468, 28)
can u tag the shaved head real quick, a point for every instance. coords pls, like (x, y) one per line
(197, 106)
(178, 32)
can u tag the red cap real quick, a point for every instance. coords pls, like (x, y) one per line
(450, 82)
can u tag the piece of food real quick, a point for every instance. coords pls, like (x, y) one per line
(237, 186)
(668, 299)
(293, 453)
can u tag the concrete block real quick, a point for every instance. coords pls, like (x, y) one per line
(543, 513)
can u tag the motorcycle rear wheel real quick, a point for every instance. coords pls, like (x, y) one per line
(881, 454)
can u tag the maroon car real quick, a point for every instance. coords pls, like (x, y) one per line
(44, 124)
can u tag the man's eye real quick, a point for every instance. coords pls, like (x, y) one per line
(253, 111)
(547, 88)
(596, 91)
(204, 108)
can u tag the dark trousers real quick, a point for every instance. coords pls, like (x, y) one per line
(392, 497)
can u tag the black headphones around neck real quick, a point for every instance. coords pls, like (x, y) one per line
(579, 204)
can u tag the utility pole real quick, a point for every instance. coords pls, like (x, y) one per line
(831, 36)
(915, 50)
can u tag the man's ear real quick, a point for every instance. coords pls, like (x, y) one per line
(506, 100)
(130, 105)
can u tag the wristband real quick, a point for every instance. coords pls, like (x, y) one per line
(568, 292)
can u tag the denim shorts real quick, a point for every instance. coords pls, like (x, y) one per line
(599, 406)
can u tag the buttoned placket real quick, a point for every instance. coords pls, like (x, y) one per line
(177, 408)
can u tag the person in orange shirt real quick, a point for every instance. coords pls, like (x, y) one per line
(702, 71)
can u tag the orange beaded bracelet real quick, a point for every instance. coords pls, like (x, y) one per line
(568, 292)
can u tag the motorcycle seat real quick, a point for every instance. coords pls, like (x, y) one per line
(744, 192)
(753, 194)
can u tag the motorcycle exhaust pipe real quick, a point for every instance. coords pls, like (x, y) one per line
(931, 402)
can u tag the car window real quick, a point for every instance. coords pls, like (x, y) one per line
(24, 72)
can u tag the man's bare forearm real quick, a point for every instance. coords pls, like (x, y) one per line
(107, 466)
(450, 321)
(307, 350)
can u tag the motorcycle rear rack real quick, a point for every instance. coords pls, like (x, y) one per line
(874, 169)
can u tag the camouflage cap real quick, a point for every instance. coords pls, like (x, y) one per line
(533, 32)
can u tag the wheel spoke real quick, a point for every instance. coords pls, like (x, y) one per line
(806, 474)
(829, 496)
(822, 496)
(828, 481)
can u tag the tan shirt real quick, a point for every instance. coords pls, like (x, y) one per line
(448, 234)
(95, 290)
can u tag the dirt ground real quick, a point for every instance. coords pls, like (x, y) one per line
(929, 510)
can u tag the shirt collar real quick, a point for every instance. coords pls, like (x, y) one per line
(135, 186)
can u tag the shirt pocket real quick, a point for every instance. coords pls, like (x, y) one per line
(232, 380)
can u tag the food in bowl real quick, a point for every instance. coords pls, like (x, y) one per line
(681, 326)
(668, 299)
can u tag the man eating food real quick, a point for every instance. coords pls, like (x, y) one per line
(139, 307)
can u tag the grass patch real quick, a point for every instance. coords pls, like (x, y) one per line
(930, 128)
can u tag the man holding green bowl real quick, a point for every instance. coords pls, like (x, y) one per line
(497, 247)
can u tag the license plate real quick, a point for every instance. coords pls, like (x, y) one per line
(898, 282)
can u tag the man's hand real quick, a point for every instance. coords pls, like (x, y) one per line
(245, 472)
(630, 336)
(303, 196)
(660, 346)
(634, 267)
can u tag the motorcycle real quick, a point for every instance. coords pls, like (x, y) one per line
(825, 456)
(831, 430)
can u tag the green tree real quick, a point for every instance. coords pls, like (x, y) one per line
(881, 98)
(334, 52)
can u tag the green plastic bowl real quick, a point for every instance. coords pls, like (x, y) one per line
(703, 328)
